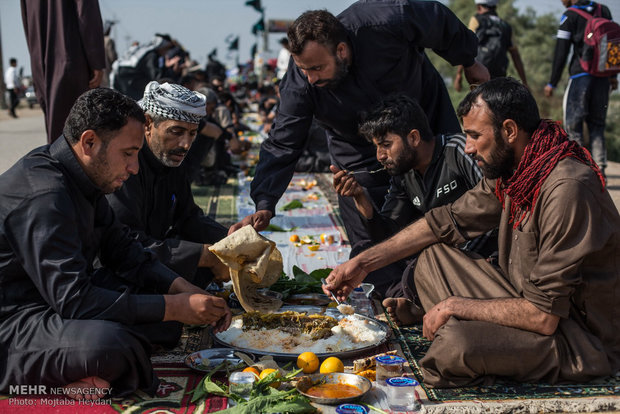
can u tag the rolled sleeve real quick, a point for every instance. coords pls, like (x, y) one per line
(569, 231)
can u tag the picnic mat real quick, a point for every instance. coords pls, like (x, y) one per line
(172, 396)
(507, 396)
(316, 216)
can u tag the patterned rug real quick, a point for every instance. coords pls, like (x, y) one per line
(414, 346)
(176, 382)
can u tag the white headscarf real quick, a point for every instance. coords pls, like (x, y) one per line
(173, 101)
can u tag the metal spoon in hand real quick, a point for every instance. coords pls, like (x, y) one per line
(343, 308)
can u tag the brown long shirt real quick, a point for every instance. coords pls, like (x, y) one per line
(564, 257)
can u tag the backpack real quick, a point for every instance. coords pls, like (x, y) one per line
(493, 40)
(600, 55)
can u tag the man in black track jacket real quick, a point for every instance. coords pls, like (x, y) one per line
(426, 172)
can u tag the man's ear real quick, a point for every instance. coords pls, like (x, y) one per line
(88, 142)
(511, 130)
(414, 137)
(342, 51)
(147, 125)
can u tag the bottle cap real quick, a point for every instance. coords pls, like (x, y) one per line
(351, 409)
(390, 360)
(401, 382)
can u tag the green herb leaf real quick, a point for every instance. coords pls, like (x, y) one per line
(296, 203)
(275, 227)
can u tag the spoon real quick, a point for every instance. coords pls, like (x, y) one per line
(343, 308)
(364, 171)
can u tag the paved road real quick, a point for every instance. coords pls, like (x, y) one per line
(18, 136)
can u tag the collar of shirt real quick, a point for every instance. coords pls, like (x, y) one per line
(62, 151)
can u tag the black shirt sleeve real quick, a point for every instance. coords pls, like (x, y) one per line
(281, 150)
(44, 236)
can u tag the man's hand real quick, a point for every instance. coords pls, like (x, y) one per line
(344, 278)
(181, 285)
(345, 185)
(259, 220)
(477, 74)
(95, 81)
(209, 259)
(435, 318)
(198, 309)
(548, 91)
(613, 82)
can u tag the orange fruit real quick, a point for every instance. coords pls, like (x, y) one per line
(253, 370)
(331, 364)
(294, 238)
(268, 371)
(308, 362)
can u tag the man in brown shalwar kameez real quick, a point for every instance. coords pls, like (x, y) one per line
(67, 57)
(550, 311)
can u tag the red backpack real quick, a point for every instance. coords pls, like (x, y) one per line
(601, 44)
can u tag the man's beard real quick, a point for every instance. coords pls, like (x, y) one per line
(164, 156)
(342, 70)
(100, 170)
(403, 163)
(501, 161)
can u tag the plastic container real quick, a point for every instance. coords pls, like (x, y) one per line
(389, 366)
(351, 409)
(241, 383)
(361, 302)
(402, 395)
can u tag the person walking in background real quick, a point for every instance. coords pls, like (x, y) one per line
(495, 40)
(586, 96)
(110, 52)
(65, 41)
(11, 80)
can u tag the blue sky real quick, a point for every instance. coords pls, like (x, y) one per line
(199, 25)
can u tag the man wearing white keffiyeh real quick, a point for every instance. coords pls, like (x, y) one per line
(157, 203)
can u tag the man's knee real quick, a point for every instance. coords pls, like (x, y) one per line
(451, 359)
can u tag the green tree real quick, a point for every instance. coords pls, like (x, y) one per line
(535, 37)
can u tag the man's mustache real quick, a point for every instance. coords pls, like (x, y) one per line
(178, 152)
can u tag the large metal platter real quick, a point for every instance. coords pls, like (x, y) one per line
(341, 354)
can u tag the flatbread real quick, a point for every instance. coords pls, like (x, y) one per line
(254, 263)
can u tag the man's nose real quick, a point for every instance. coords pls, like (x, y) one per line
(134, 166)
(312, 78)
(186, 141)
(381, 154)
(470, 148)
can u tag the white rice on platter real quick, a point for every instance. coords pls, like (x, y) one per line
(351, 333)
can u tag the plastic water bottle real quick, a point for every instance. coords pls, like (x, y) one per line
(361, 302)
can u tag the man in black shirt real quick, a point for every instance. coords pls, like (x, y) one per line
(426, 172)
(62, 322)
(157, 203)
(586, 96)
(343, 66)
